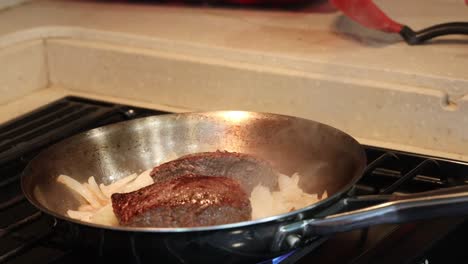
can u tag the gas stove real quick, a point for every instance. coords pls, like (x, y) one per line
(28, 236)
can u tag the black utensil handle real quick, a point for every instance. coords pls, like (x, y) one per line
(417, 37)
(400, 209)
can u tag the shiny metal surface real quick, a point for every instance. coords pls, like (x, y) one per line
(328, 160)
(399, 209)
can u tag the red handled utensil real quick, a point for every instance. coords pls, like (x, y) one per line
(370, 15)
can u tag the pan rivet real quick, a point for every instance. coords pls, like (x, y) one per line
(130, 113)
(293, 240)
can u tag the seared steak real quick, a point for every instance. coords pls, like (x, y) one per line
(187, 201)
(248, 170)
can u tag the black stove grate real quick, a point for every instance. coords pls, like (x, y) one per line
(24, 231)
(26, 235)
(58, 120)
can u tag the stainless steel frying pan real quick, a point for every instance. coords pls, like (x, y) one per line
(326, 158)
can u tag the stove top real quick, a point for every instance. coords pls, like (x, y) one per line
(28, 236)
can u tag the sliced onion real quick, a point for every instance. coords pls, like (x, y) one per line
(143, 180)
(79, 188)
(105, 216)
(289, 197)
(78, 215)
(114, 187)
(86, 208)
(93, 186)
(99, 210)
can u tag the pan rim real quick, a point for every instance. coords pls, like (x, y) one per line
(276, 218)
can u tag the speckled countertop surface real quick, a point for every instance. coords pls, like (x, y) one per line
(315, 34)
(42, 97)
(313, 63)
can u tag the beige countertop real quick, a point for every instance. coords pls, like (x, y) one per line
(312, 63)
(45, 96)
(312, 35)
(42, 97)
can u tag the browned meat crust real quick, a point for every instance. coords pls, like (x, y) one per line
(248, 170)
(187, 201)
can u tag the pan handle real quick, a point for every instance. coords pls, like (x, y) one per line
(452, 201)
